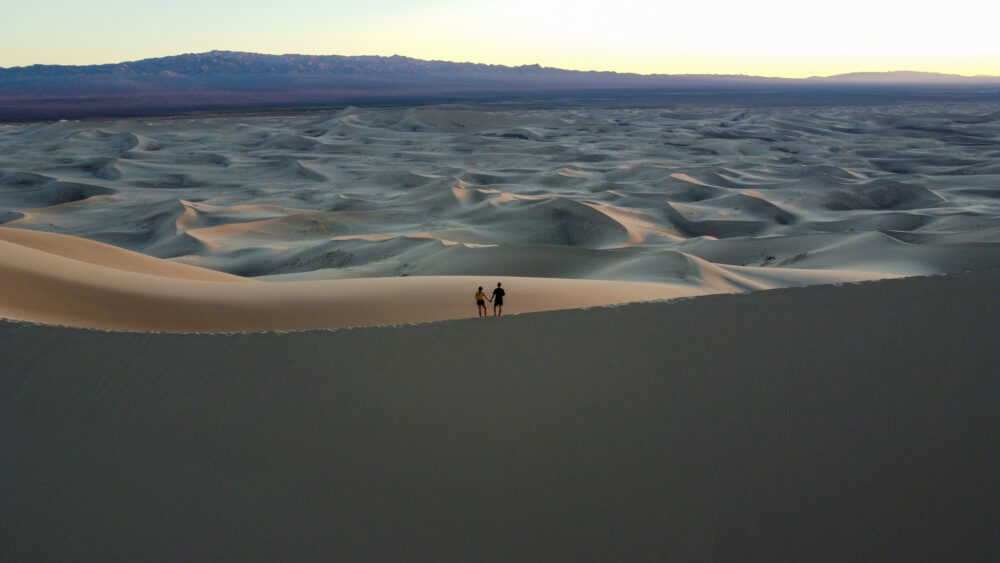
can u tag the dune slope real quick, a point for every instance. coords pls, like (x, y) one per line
(852, 422)
(58, 279)
(590, 192)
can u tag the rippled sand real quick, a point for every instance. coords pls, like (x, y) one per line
(701, 199)
(608, 194)
(852, 422)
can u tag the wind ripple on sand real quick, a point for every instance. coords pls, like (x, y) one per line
(408, 191)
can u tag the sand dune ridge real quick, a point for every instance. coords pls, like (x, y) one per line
(715, 198)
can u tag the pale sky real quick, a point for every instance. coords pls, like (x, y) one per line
(768, 37)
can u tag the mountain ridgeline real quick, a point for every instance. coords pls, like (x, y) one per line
(234, 81)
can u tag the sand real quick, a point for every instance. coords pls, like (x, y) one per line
(434, 202)
(853, 422)
(630, 195)
(57, 279)
(730, 333)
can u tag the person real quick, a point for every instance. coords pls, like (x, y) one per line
(497, 300)
(481, 303)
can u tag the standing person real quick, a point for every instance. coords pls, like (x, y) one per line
(481, 303)
(498, 294)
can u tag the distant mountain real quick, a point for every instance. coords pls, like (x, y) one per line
(230, 62)
(225, 80)
(240, 63)
(908, 77)
(297, 69)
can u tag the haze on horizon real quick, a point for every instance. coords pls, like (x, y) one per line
(764, 38)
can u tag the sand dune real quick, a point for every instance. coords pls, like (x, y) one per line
(827, 418)
(434, 201)
(427, 191)
(63, 280)
(856, 422)
(70, 252)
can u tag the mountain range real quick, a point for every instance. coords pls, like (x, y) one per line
(226, 80)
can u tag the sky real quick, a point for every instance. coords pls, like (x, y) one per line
(788, 38)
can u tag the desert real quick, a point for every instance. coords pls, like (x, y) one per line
(729, 333)
(697, 200)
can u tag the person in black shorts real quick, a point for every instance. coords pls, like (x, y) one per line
(481, 303)
(498, 294)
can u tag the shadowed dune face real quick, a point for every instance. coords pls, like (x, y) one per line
(846, 423)
(424, 191)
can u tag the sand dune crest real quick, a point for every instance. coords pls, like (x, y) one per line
(64, 280)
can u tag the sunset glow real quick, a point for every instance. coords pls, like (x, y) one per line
(769, 38)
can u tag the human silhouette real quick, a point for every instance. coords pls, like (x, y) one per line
(481, 303)
(497, 300)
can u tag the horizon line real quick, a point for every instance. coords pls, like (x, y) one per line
(527, 65)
